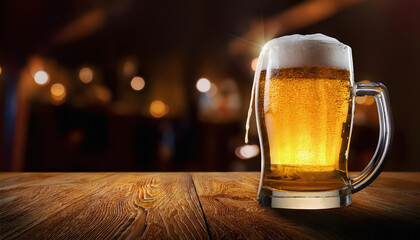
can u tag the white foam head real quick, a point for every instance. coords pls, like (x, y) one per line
(316, 50)
(305, 51)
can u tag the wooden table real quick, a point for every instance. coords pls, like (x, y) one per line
(193, 206)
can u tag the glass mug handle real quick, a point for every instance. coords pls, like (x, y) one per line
(373, 169)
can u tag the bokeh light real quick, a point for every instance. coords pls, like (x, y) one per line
(365, 100)
(158, 109)
(41, 77)
(86, 75)
(137, 83)
(203, 85)
(213, 90)
(129, 68)
(58, 91)
(254, 64)
(0, 70)
(99, 93)
(247, 151)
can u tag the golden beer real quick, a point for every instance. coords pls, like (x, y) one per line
(305, 117)
(304, 97)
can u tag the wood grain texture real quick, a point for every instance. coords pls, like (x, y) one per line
(390, 208)
(193, 206)
(230, 205)
(99, 206)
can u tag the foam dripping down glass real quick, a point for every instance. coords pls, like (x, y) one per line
(304, 100)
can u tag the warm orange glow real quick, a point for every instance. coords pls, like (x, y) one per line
(365, 100)
(86, 75)
(213, 90)
(203, 85)
(81, 26)
(361, 100)
(298, 16)
(129, 68)
(58, 91)
(158, 109)
(0, 70)
(370, 101)
(41, 78)
(36, 64)
(254, 64)
(137, 83)
(101, 93)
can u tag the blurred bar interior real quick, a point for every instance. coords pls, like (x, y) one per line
(164, 85)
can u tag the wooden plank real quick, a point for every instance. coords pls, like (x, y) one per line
(229, 202)
(99, 206)
(390, 207)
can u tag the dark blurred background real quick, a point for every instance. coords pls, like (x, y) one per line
(124, 85)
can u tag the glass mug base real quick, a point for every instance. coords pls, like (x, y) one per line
(304, 200)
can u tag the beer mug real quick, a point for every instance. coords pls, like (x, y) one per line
(304, 99)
